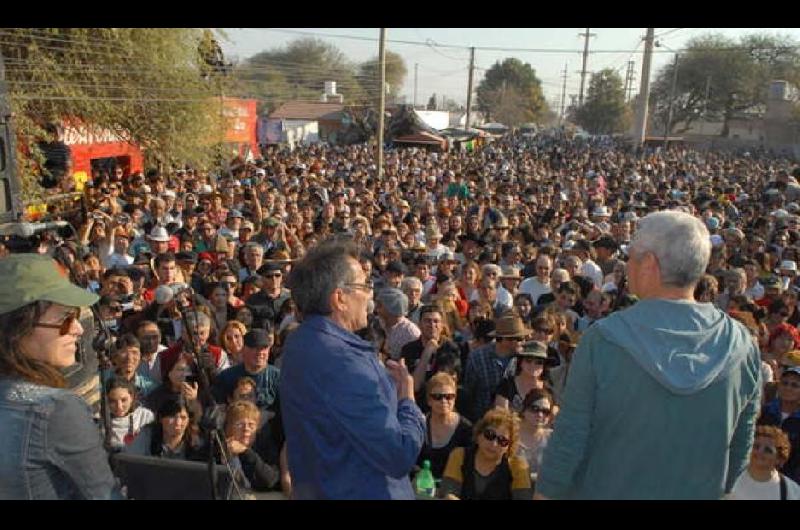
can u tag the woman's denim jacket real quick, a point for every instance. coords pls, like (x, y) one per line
(50, 448)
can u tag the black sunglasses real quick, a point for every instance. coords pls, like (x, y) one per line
(440, 397)
(64, 326)
(540, 410)
(492, 436)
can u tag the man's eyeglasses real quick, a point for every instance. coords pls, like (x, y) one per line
(513, 339)
(766, 449)
(540, 410)
(64, 326)
(492, 436)
(440, 397)
(366, 286)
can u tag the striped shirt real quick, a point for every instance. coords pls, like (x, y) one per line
(399, 335)
(485, 370)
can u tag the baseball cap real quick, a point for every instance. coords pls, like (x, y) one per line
(29, 278)
(792, 370)
(257, 338)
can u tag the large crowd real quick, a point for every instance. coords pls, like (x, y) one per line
(484, 267)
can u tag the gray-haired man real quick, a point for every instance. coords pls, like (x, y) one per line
(661, 399)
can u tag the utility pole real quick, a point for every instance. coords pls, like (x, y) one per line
(629, 81)
(416, 73)
(382, 103)
(644, 90)
(672, 89)
(469, 86)
(563, 94)
(586, 37)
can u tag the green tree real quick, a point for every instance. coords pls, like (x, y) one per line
(147, 85)
(298, 71)
(396, 71)
(603, 109)
(719, 76)
(509, 84)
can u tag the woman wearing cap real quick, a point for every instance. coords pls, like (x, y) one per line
(529, 373)
(50, 447)
(490, 469)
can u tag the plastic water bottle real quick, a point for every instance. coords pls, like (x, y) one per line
(426, 486)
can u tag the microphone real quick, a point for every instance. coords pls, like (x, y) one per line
(29, 229)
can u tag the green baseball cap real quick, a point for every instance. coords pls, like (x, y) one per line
(28, 278)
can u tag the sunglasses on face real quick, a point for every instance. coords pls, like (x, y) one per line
(65, 325)
(440, 397)
(513, 339)
(766, 449)
(492, 436)
(540, 410)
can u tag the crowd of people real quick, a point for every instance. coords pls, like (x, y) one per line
(482, 270)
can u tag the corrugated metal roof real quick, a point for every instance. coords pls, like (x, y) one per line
(308, 110)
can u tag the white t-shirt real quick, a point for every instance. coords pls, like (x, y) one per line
(591, 270)
(749, 489)
(533, 287)
(130, 424)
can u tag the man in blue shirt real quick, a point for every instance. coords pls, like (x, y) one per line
(255, 356)
(353, 430)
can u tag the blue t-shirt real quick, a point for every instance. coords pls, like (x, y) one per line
(266, 385)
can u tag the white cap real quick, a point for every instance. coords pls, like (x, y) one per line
(788, 265)
(163, 294)
(206, 188)
(781, 213)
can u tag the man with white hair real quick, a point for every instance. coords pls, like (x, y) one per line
(538, 285)
(493, 273)
(661, 390)
(391, 307)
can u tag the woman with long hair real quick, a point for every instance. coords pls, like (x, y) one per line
(231, 339)
(490, 469)
(50, 444)
(536, 427)
(530, 372)
(175, 434)
(446, 428)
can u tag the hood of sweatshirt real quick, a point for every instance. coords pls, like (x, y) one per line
(684, 345)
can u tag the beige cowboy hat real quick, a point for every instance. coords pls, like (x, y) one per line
(509, 326)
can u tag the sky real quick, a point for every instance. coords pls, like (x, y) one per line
(443, 70)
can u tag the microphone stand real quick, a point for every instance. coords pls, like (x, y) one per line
(101, 344)
(207, 423)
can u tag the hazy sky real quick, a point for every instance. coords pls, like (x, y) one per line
(444, 70)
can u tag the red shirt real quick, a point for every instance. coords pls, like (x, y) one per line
(171, 355)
